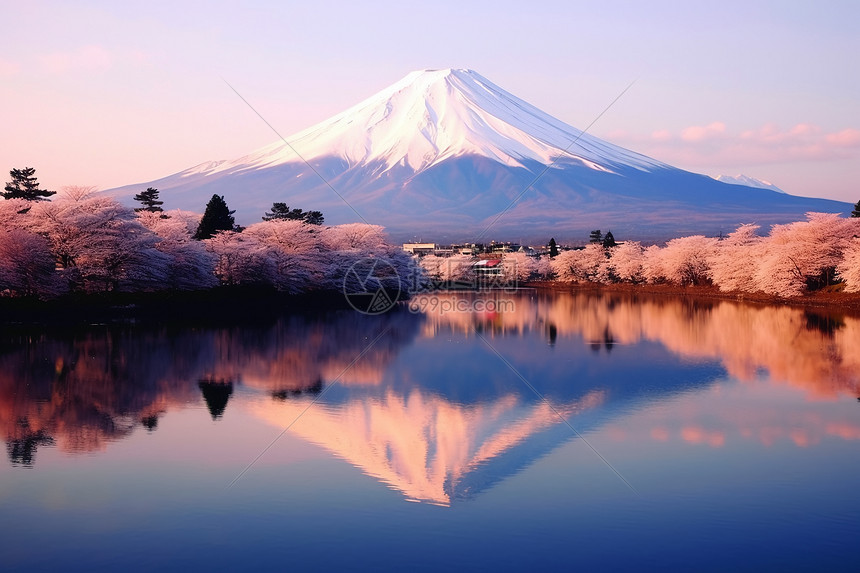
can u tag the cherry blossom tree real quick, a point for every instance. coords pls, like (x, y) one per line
(684, 261)
(652, 265)
(803, 255)
(543, 268)
(240, 259)
(517, 268)
(448, 269)
(294, 250)
(358, 236)
(27, 265)
(15, 213)
(588, 264)
(734, 259)
(625, 262)
(848, 268)
(101, 244)
(191, 266)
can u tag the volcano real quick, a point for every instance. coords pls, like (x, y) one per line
(447, 155)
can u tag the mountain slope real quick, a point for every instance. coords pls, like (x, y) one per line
(441, 153)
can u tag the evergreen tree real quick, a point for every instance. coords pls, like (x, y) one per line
(553, 248)
(149, 200)
(25, 186)
(314, 218)
(856, 211)
(217, 217)
(283, 211)
(608, 240)
(595, 237)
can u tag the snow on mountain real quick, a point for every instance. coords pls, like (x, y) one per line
(748, 181)
(442, 153)
(432, 115)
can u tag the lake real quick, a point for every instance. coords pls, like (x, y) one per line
(489, 431)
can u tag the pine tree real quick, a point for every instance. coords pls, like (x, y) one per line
(314, 218)
(25, 186)
(217, 217)
(595, 237)
(856, 211)
(608, 240)
(283, 211)
(553, 248)
(149, 200)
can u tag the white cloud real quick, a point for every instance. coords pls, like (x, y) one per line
(715, 145)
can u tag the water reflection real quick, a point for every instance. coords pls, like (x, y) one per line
(429, 409)
(811, 350)
(82, 389)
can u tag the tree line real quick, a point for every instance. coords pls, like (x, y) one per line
(790, 260)
(793, 259)
(87, 242)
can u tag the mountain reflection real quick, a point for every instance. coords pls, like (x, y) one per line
(425, 446)
(429, 410)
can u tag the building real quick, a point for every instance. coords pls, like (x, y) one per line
(420, 249)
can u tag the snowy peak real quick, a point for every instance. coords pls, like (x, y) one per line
(442, 153)
(432, 115)
(748, 181)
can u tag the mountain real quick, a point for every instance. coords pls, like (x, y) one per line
(742, 179)
(443, 153)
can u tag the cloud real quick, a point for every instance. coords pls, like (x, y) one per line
(715, 145)
(86, 58)
(844, 138)
(703, 133)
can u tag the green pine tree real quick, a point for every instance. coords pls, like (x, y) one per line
(149, 200)
(553, 248)
(25, 186)
(595, 237)
(608, 240)
(856, 211)
(314, 218)
(217, 217)
(283, 211)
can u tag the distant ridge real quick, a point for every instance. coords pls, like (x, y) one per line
(741, 179)
(442, 153)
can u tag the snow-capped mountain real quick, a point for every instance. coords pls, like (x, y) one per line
(748, 181)
(442, 153)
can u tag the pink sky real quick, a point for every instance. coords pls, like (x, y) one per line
(97, 93)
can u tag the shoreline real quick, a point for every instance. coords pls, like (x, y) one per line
(830, 301)
(218, 305)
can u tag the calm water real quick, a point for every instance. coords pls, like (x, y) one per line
(570, 431)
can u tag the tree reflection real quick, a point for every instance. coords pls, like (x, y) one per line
(216, 393)
(80, 389)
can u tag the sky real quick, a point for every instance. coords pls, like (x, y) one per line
(113, 93)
